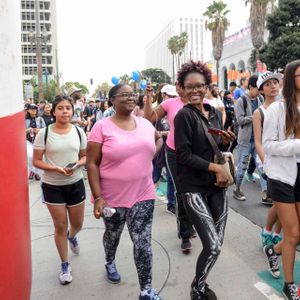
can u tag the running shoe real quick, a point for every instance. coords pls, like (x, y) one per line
(186, 245)
(273, 260)
(111, 273)
(265, 199)
(209, 294)
(250, 177)
(65, 276)
(149, 294)
(37, 177)
(276, 239)
(31, 176)
(74, 245)
(171, 209)
(290, 291)
(266, 239)
(239, 195)
(159, 193)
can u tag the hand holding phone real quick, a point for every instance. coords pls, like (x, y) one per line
(216, 131)
(71, 166)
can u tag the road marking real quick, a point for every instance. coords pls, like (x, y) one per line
(267, 291)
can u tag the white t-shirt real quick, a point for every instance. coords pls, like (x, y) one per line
(215, 102)
(61, 149)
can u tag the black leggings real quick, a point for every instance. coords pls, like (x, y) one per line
(208, 212)
(184, 225)
(139, 222)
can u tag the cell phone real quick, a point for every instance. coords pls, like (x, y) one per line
(215, 131)
(71, 166)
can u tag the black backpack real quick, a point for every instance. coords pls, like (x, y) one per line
(47, 129)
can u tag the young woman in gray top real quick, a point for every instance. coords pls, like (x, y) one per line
(60, 150)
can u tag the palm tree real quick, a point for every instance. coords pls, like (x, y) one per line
(182, 41)
(173, 47)
(217, 23)
(258, 16)
(176, 45)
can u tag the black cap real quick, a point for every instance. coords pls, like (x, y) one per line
(32, 106)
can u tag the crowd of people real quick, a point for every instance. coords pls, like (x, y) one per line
(187, 132)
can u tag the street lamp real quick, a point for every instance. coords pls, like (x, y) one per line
(39, 39)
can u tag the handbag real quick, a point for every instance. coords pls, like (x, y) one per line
(224, 159)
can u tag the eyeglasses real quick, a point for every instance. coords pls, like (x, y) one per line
(125, 95)
(197, 87)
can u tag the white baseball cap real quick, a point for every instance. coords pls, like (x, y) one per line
(169, 90)
(262, 78)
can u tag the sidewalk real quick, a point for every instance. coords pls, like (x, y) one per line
(233, 276)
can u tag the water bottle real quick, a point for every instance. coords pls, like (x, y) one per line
(108, 211)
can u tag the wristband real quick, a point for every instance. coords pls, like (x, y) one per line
(98, 198)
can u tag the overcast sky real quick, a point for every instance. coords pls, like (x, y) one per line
(103, 38)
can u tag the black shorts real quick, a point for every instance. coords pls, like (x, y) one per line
(282, 192)
(69, 195)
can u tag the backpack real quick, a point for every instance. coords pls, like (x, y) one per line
(47, 129)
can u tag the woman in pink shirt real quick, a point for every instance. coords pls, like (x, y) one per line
(170, 108)
(119, 161)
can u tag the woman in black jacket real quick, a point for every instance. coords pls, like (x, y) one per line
(202, 182)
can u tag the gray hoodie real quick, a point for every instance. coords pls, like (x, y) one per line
(245, 121)
(280, 161)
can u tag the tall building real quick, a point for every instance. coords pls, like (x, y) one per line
(157, 54)
(47, 11)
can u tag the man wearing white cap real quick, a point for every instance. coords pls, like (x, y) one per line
(75, 94)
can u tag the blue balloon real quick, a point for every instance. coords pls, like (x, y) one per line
(143, 84)
(115, 80)
(135, 75)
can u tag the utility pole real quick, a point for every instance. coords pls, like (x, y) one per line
(38, 42)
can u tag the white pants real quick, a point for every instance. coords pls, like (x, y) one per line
(31, 168)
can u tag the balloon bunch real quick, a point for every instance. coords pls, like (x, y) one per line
(135, 75)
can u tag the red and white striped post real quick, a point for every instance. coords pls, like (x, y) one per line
(15, 249)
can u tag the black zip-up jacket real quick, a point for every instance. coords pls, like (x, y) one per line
(193, 150)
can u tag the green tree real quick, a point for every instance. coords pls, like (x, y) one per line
(258, 16)
(173, 47)
(125, 79)
(50, 89)
(102, 88)
(217, 23)
(284, 39)
(156, 75)
(68, 84)
(176, 45)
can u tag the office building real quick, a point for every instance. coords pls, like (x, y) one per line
(157, 54)
(47, 11)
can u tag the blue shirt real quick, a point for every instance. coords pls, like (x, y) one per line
(238, 93)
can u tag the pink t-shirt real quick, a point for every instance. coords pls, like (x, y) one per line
(171, 106)
(126, 165)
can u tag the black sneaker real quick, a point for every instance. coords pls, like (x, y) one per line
(290, 291)
(195, 294)
(171, 209)
(209, 293)
(273, 260)
(186, 245)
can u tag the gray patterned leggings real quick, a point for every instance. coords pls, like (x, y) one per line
(208, 213)
(139, 222)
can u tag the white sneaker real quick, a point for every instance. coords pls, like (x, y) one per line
(65, 276)
(74, 245)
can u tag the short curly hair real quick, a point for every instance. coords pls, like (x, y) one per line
(193, 67)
